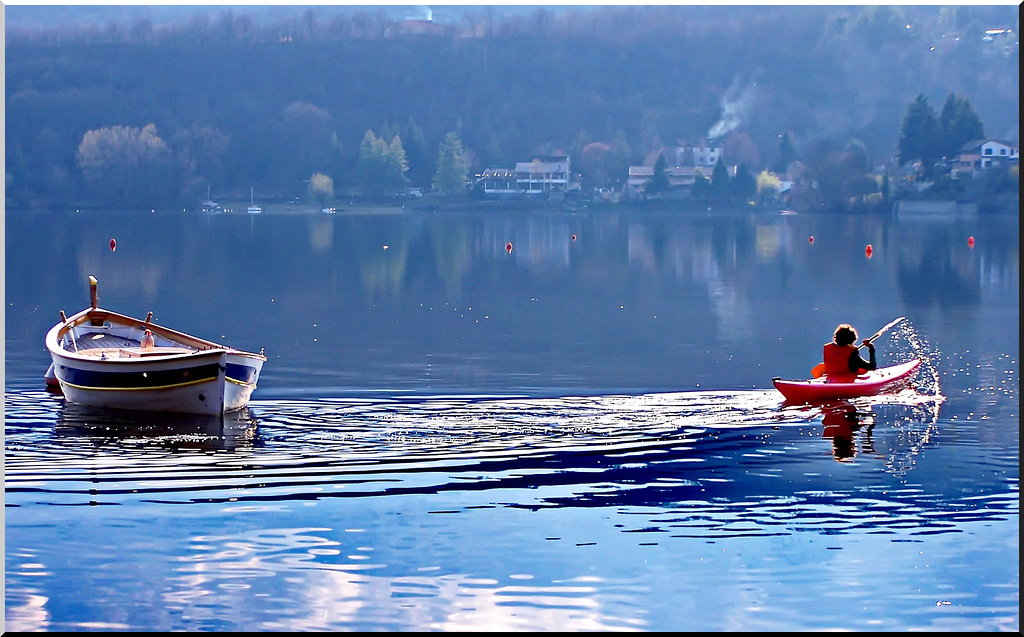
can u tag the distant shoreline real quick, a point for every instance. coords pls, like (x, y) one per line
(904, 207)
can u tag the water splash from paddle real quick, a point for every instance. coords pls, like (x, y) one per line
(906, 343)
(926, 355)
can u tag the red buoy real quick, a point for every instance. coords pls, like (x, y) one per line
(573, 237)
(868, 250)
(508, 247)
(970, 242)
(113, 245)
(810, 239)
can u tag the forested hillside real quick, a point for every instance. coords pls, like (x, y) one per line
(235, 98)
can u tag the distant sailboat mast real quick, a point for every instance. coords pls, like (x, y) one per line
(209, 205)
(253, 208)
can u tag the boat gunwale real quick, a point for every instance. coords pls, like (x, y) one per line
(193, 358)
(201, 345)
(881, 375)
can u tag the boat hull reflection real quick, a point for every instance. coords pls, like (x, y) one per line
(193, 431)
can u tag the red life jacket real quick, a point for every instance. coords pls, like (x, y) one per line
(837, 359)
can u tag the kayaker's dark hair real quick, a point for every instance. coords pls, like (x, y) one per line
(845, 335)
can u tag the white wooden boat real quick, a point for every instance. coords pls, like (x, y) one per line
(104, 359)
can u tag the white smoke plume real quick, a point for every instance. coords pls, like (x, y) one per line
(735, 107)
(422, 13)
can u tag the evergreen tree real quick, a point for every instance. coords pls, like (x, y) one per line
(396, 165)
(701, 186)
(370, 167)
(959, 124)
(381, 167)
(721, 186)
(920, 136)
(418, 154)
(744, 184)
(451, 166)
(659, 180)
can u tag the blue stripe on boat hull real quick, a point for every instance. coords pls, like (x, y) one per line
(148, 379)
(242, 373)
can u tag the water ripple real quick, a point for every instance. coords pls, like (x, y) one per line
(696, 452)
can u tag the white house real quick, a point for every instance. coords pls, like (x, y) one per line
(702, 155)
(636, 182)
(982, 154)
(689, 161)
(543, 175)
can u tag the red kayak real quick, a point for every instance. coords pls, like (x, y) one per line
(880, 381)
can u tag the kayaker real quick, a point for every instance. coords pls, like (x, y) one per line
(841, 356)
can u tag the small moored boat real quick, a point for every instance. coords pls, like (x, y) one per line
(880, 381)
(104, 359)
(253, 209)
(210, 206)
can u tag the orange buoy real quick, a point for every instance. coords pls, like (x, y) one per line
(868, 250)
(810, 239)
(970, 242)
(113, 245)
(508, 247)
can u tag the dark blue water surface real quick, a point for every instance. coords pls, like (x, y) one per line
(577, 433)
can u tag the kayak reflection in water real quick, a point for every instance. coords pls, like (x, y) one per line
(841, 422)
(841, 356)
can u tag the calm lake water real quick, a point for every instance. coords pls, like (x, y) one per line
(518, 420)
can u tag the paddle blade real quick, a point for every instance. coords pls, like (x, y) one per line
(818, 370)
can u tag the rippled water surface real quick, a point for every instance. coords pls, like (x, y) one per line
(579, 434)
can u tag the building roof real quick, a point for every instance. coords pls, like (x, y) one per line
(538, 166)
(976, 144)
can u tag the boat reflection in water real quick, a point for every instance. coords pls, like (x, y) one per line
(841, 422)
(892, 429)
(236, 430)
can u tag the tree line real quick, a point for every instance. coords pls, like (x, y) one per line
(844, 178)
(228, 102)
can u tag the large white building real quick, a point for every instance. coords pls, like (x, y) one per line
(982, 154)
(702, 155)
(543, 176)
